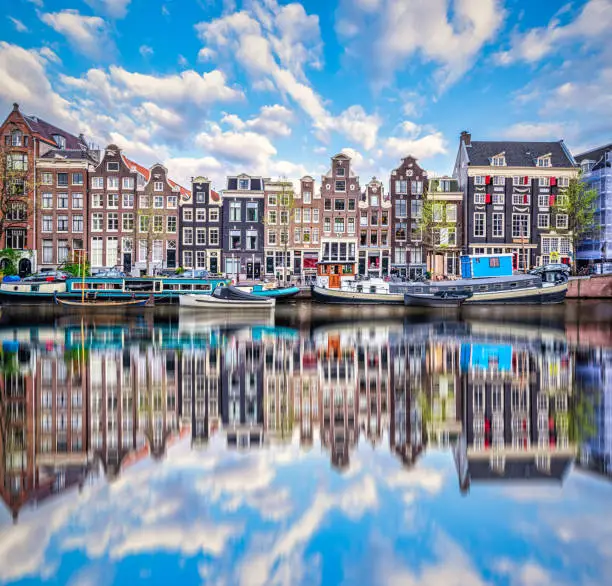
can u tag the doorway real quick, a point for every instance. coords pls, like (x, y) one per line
(127, 262)
(25, 267)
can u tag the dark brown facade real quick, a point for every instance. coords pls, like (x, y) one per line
(374, 228)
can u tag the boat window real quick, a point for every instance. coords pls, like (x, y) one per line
(139, 285)
(418, 289)
(359, 288)
(158, 285)
(172, 287)
(452, 288)
(205, 287)
(512, 284)
(186, 287)
(482, 288)
(373, 289)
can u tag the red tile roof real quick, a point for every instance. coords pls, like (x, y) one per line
(146, 173)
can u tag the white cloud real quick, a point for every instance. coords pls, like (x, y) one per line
(426, 479)
(272, 121)
(145, 50)
(205, 54)
(182, 61)
(359, 126)
(87, 34)
(49, 55)
(247, 148)
(19, 26)
(524, 574)
(421, 147)
(450, 34)
(112, 8)
(535, 131)
(590, 27)
(36, 2)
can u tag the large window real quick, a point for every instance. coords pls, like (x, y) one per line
(339, 225)
(562, 221)
(416, 209)
(417, 187)
(96, 251)
(77, 223)
(128, 222)
(520, 225)
(97, 182)
(251, 211)
(47, 200)
(128, 200)
(543, 221)
(112, 182)
(400, 208)
(213, 215)
(158, 224)
(171, 224)
(480, 224)
(17, 162)
(498, 225)
(234, 240)
(400, 231)
(97, 222)
(112, 221)
(143, 223)
(213, 236)
(47, 249)
(127, 183)
(326, 225)
(340, 186)
(201, 236)
(339, 205)
(47, 223)
(401, 187)
(62, 223)
(306, 196)
(351, 225)
(251, 240)
(62, 251)
(234, 209)
(77, 201)
(16, 238)
(188, 236)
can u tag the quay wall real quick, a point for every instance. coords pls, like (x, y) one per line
(593, 287)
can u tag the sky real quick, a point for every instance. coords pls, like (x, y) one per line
(282, 516)
(270, 87)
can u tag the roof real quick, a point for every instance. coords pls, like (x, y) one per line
(146, 173)
(596, 155)
(45, 131)
(518, 153)
(72, 154)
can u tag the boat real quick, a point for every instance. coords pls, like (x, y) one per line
(164, 289)
(442, 299)
(226, 297)
(96, 303)
(271, 291)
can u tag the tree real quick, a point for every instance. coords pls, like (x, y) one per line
(580, 204)
(432, 225)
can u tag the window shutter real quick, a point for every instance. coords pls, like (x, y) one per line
(551, 200)
(525, 199)
(488, 198)
(488, 179)
(526, 180)
(553, 181)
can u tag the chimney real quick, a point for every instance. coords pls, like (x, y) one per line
(15, 107)
(466, 138)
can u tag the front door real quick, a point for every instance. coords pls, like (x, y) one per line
(257, 270)
(25, 267)
(213, 266)
(249, 272)
(171, 259)
(334, 281)
(127, 262)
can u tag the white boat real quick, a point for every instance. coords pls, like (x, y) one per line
(227, 297)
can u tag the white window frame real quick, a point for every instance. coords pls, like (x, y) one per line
(483, 215)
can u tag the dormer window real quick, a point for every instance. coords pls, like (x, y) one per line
(586, 166)
(16, 138)
(445, 185)
(498, 160)
(158, 186)
(544, 161)
(60, 141)
(243, 184)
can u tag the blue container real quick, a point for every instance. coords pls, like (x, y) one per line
(482, 266)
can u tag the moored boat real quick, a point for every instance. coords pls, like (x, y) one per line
(227, 297)
(99, 304)
(443, 299)
(271, 291)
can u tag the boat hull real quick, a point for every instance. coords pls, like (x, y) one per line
(433, 301)
(279, 294)
(211, 302)
(324, 295)
(530, 296)
(102, 304)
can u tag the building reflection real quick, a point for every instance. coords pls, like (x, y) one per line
(81, 403)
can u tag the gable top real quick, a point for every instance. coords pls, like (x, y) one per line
(146, 173)
(200, 179)
(256, 182)
(341, 156)
(46, 131)
(598, 156)
(519, 154)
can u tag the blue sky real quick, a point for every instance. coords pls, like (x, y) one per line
(281, 516)
(271, 87)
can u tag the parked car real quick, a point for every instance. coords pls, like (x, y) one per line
(111, 274)
(48, 276)
(167, 273)
(557, 266)
(195, 274)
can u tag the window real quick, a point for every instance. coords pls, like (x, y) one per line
(272, 238)
(171, 202)
(480, 224)
(234, 240)
(437, 212)
(244, 184)
(340, 172)
(96, 222)
(158, 223)
(200, 215)
(77, 223)
(128, 200)
(563, 182)
(97, 182)
(521, 199)
(451, 212)
(17, 162)
(47, 200)
(272, 200)
(112, 182)
(543, 200)
(251, 211)
(562, 221)
(480, 198)
(416, 209)
(200, 197)
(171, 224)
(272, 217)
(351, 225)
(327, 205)
(562, 200)
(417, 187)
(213, 215)
(188, 258)
(326, 225)
(158, 186)
(400, 208)
(284, 218)
(96, 251)
(363, 219)
(112, 221)
(16, 238)
(15, 139)
(373, 200)
(339, 205)
(339, 225)
(127, 183)
(498, 199)
(351, 204)
(200, 259)
(201, 236)
(520, 225)
(543, 182)
(213, 236)
(544, 162)
(400, 230)
(297, 216)
(297, 236)
(499, 180)
(62, 201)
(543, 220)
(144, 201)
(306, 216)
(315, 216)
(128, 222)
(113, 200)
(498, 225)
(62, 251)
(307, 196)
(158, 201)
(315, 234)
(234, 209)
(143, 224)
(401, 187)
(187, 235)
(374, 219)
(479, 180)
(77, 201)
(47, 178)
(112, 166)
(47, 223)
(340, 185)
(498, 161)
(47, 248)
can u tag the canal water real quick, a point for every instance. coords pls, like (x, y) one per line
(316, 446)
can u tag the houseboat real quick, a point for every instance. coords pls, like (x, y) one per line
(485, 279)
(164, 290)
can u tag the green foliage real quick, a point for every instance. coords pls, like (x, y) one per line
(76, 268)
(10, 259)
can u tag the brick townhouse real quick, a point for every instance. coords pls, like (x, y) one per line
(374, 226)
(306, 228)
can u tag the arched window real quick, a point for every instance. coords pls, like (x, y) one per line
(16, 138)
